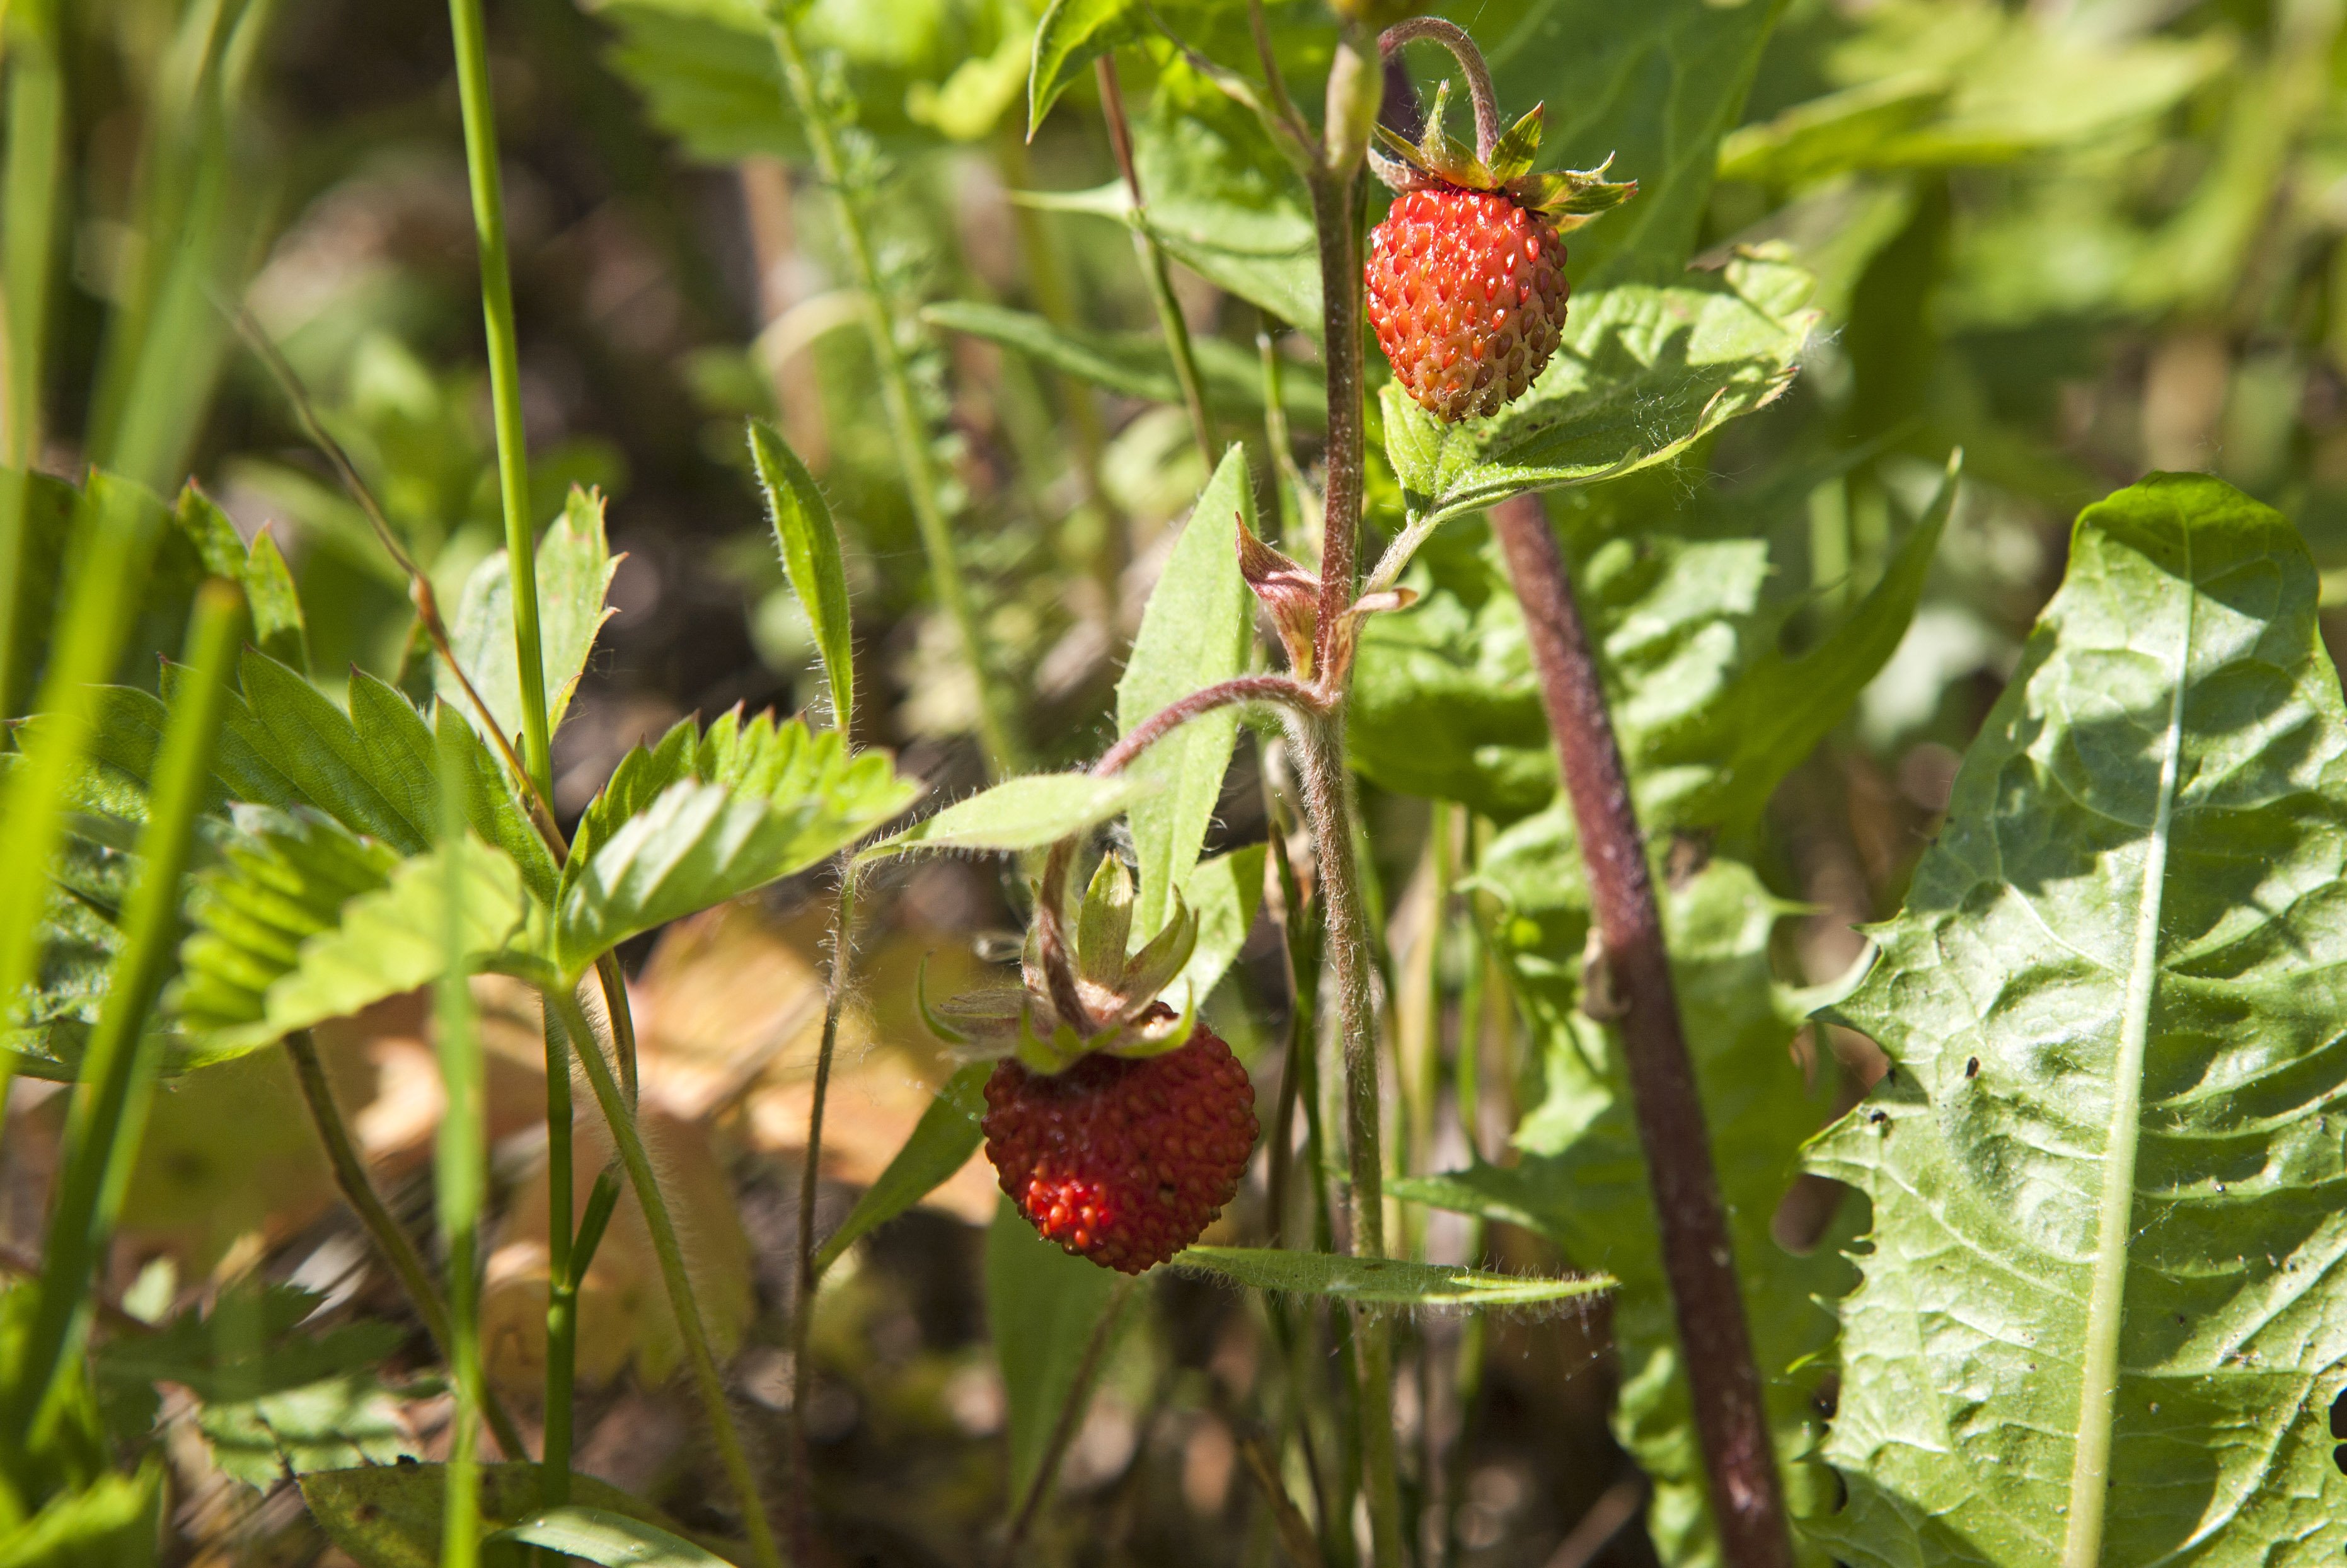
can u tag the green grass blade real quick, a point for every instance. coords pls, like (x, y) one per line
(460, 1172)
(118, 1073)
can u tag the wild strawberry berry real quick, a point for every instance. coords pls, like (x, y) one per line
(1123, 1160)
(1467, 293)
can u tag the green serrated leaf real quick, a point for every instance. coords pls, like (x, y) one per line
(349, 1418)
(1223, 893)
(305, 921)
(1229, 210)
(1381, 1281)
(2094, 1325)
(1197, 628)
(574, 573)
(941, 1143)
(1644, 372)
(1134, 364)
(599, 1535)
(1043, 1306)
(1072, 35)
(810, 547)
(389, 1516)
(260, 570)
(710, 817)
(1017, 815)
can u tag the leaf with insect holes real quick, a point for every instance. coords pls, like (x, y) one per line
(810, 547)
(599, 1535)
(1017, 815)
(305, 921)
(1135, 364)
(1644, 372)
(1196, 630)
(941, 1143)
(390, 1516)
(1690, 615)
(705, 818)
(2106, 1183)
(574, 575)
(1043, 1306)
(1072, 35)
(1382, 1281)
(1581, 1180)
(1656, 86)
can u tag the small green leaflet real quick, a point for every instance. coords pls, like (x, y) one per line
(260, 571)
(941, 1143)
(1072, 35)
(810, 547)
(574, 573)
(1196, 630)
(2097, 1323)
(1043, 1306)
(1224, 894)
(1644, 372)
(389, 1516)
(1382, 1281)
(1016, 815)
(614, 1540)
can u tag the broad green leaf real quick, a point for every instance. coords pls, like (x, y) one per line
(708, 817)
(1196, 630)
(1710, 711)
(574, 573)
(248, 1342)
(1135, 363)
(599, 1535)
(941, 1143)
(1017, 815)
(346, 1420)
(1224, 894)
(810, 547)
(305, 921)
(1222, 203)
(389, 1516)
(1582, 1178)
(1072, 35)
(1381, 1281)
(1656, 85)
(1644, 372)
(1043, 1306)
(112, 1523)
(2096, 1323)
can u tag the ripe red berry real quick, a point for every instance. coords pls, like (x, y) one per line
(1467, 293)
(1123, 1160)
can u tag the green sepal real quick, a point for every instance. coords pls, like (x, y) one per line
(1512, 158)
(1104, 924)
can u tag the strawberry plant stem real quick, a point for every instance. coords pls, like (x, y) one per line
(842, 936)
(116, 1081)
(1698, 1256)
(1152, 263)
(390, 1238)
(996, 733)
(673, 1274)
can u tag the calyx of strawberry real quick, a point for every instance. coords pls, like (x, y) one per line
(1567, 198)
(1102, 998)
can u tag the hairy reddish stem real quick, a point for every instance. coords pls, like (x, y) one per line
(1698, 1256)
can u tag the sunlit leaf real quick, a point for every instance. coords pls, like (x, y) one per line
(574, 573)
(1017, 815)
(389, 1516)
(114, 1522)
(1197, 628)
(1135, 363)
(810, 547)
(1072, 35)
(1642, 372)
(599, 1535)
(1382, 1281)
(1223, 893)
(2103, 1176)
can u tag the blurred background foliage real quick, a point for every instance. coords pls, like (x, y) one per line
(2079, 238)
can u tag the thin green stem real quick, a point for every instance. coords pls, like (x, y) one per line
(1153, 264)
(561, 1279)
(116, 527)
(460, 1176)
(116, 1080)
(842, 936)
(670, 1252)
(473, 91)
(35, 158)
(996, 732)
(390, 1237)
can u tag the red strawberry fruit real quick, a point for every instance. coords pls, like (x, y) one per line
(1123, 1160)
(1466, 274)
